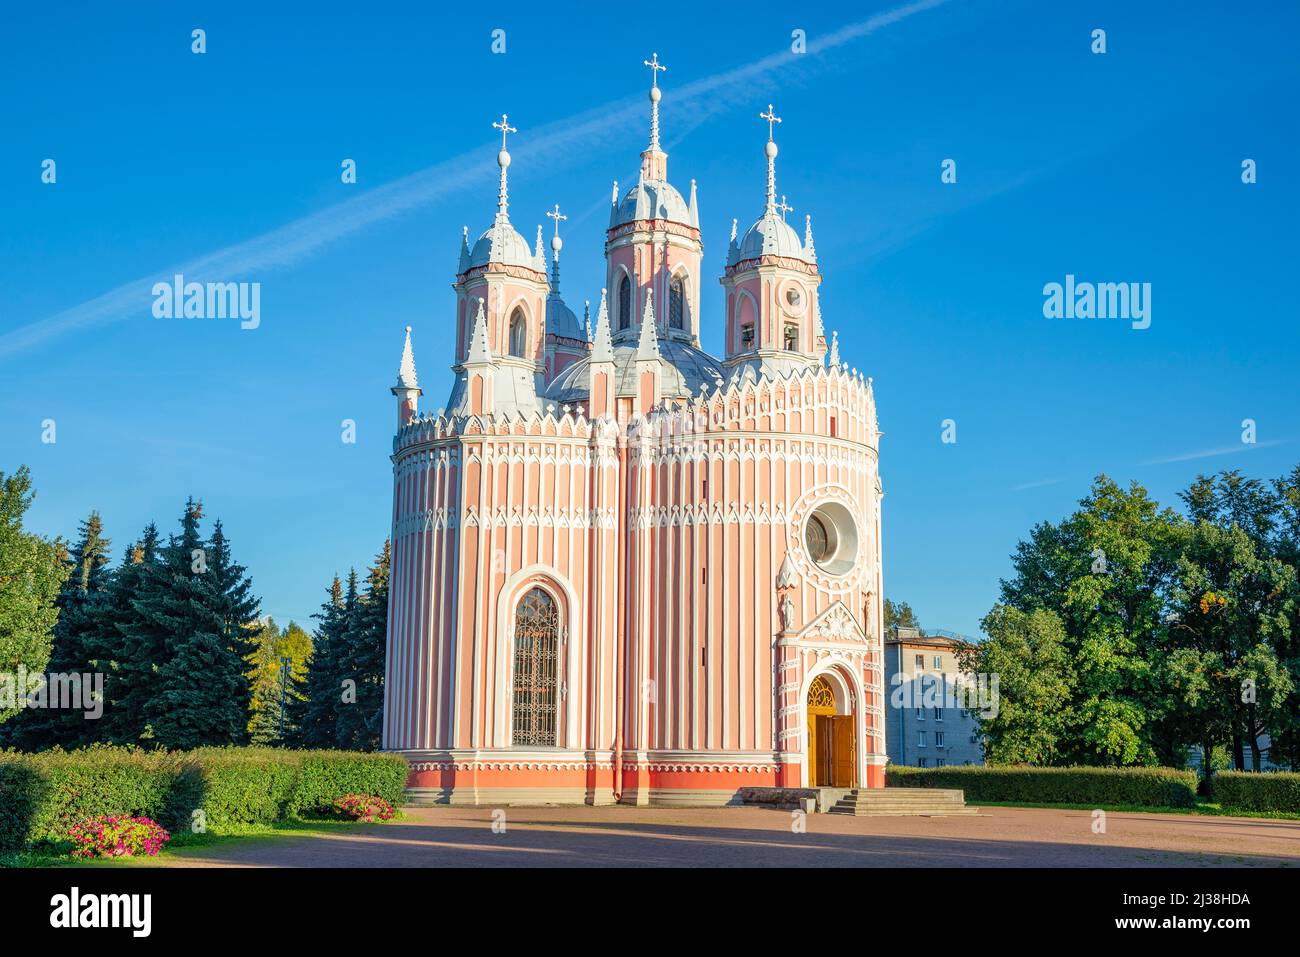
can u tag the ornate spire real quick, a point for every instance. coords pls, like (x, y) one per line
(807, 239)
(406, 369)
(503, 161)
(586, 317)
(655, 69)
(602, 349)
(835, 349)
(647, 346)
(613, 196)
(772, 119)
(538, 256)
(556, 245)
(478, 345)
(695, 207)
(464, 250)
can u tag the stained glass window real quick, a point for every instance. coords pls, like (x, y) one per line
(537, 637)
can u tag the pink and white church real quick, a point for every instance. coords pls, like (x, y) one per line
(624, 569)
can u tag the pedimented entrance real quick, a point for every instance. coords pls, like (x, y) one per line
(831, 747)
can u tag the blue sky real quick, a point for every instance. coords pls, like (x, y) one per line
(1117, 167)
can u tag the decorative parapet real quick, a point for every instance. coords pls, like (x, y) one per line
(736, 406)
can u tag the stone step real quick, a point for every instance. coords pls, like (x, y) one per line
(921, 802)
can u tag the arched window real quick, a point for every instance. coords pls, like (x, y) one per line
(518, 333)
(624, 303)
(676, 297)
(537, 639)
(792, 336)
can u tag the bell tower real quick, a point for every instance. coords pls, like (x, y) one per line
(653, 246)
(773, 317)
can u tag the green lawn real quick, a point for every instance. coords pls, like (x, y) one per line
(185, 842)
(1202, 809)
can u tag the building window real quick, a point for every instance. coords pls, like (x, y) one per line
(625, 303)
(676, 307)
(938, 714)
(537, 638)
(920, 739)
(792, 336)
(818, 538)
(518, 333)
(747, 337)
(922, 762)
(938, 739)
(974, 739)
(920, 714)
(939, 762)
(920, 662)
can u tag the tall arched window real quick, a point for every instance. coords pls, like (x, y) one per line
(792, 336)
(518, 333)
(625, 303)
(676, 307)
(537, 639)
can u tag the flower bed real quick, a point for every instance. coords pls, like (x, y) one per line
(364, 807)
(112, 835)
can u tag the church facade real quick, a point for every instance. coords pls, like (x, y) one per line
(624, 569)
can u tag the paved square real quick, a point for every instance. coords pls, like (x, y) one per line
(756, 837)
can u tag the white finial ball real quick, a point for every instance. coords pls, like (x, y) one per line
(655, 94)
(503, 159)
(556, 244)
(770, 149)
(408, 330)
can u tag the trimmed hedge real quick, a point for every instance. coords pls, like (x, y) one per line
(1151, 787)
(1257, 791)
(43, 795)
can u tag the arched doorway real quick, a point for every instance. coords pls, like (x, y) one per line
(537, 639)
(831, 747)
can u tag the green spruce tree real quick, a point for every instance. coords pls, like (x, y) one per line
(202, 604)
(313, 712)
(123, 650)
(360, 724)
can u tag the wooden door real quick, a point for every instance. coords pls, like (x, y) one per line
(841, 757)
(825, 750)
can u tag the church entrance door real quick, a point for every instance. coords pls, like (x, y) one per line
(830, 739)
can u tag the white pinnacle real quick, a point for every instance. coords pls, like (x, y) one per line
(406, 378)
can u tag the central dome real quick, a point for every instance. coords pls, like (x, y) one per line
(686, 370)
(652, 199)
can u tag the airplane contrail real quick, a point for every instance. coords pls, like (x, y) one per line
(550, 145)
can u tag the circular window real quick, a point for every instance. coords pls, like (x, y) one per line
(831, 538)
(794, 299)
(817, 537)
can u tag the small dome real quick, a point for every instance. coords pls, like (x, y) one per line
(502, 244)
(772, 236)
(685, 370)
(560, 320)
(652, 199)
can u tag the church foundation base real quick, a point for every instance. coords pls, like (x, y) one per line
(561, 777)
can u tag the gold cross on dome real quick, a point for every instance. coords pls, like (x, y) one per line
(772, 120)
(557, 216)
(655, 68)
(505, 128)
